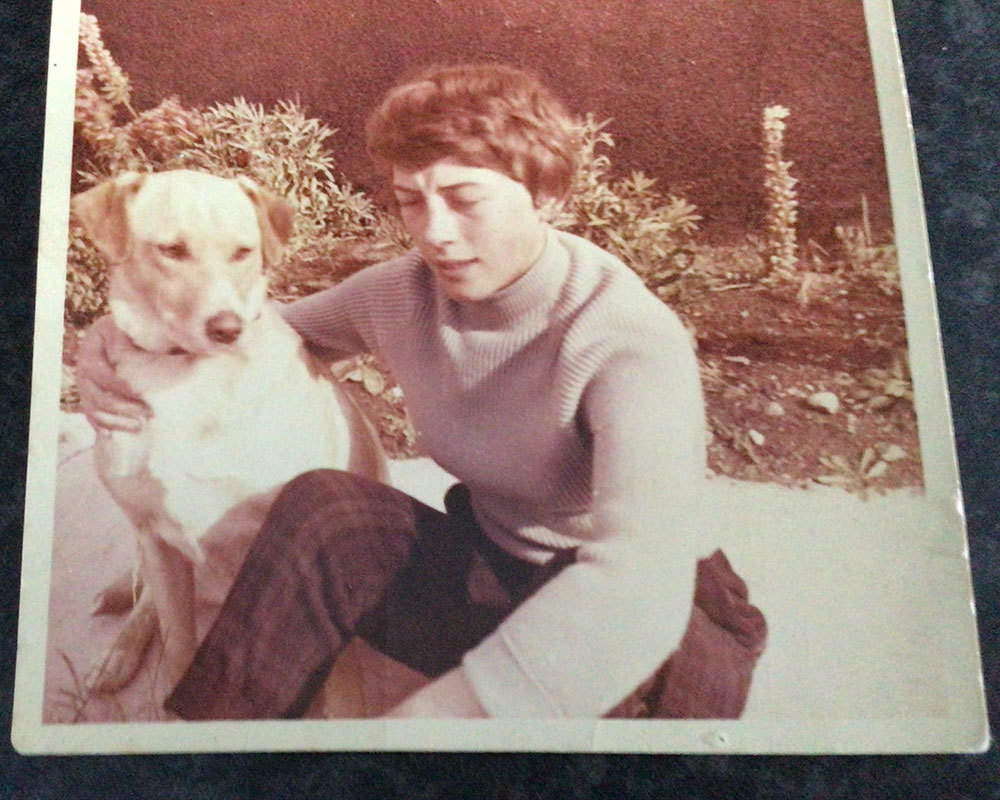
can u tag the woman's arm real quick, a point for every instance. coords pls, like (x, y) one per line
(334, 323)
(605, 623)
(450, 696)
(326, 324)
(347, 319)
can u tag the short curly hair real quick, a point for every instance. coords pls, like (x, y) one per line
(482, 115)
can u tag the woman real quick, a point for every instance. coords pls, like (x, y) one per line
(540, 372)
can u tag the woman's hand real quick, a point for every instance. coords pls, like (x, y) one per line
(107, 401)
(450, 696)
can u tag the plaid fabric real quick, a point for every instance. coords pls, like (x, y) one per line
(341, 555)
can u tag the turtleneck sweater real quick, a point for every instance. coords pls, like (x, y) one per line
(569, 403)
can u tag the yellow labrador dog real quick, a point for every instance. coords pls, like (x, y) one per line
(238, 405)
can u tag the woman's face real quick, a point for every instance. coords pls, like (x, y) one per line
(478, 229)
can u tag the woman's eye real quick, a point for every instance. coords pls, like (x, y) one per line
(241, 253)
(177, 251)
(465, 201)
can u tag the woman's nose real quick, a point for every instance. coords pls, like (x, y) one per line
(440, 226)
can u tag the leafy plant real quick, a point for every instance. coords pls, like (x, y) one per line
(863, 474)
(628, 216)
(286, 152)
(864, 257)
(86, 281)
(280, 148)
(884, 387)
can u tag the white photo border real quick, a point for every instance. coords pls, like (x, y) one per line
(963, 728)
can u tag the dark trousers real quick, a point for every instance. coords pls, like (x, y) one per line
(340, 555)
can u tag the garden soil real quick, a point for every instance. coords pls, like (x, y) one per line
(764, 353)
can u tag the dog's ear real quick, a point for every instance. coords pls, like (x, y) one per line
(275, 216)
(101, 212)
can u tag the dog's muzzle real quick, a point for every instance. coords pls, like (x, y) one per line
(224, 328)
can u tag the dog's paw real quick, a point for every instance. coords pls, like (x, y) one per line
(111, 600)
(117, 597)
(122, 660)
(114, 672)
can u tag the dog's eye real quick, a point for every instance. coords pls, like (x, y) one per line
(177, 251)
(241, 253)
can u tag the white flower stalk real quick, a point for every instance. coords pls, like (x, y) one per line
(779, 188)
(111, 79)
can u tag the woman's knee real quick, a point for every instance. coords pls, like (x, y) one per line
(319, 487)
(318, 491)
(340, 502)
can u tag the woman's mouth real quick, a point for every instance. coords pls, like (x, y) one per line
(453, 268)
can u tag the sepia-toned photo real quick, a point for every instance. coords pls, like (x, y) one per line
(496, 376)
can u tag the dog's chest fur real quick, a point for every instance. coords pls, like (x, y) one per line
(226, 428)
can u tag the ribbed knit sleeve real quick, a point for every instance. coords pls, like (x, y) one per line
(360, 312)
(604, 624)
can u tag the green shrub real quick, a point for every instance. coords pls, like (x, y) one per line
(286, 152)
(875, 262)
(337, 228)
(280, 148)
(86, 281)
(628, 216)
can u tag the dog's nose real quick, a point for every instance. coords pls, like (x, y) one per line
(224, 328)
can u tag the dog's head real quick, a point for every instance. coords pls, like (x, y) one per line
(187, 253)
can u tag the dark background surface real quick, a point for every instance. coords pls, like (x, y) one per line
(684, 81)
(951, 50)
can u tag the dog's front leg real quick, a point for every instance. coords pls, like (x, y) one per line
(121, 661)
(169, 578)
(119, 595)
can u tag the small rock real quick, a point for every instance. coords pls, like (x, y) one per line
(774, 409)
(756, 437)
(826, 401)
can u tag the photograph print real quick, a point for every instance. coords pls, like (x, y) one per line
(506, 376)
